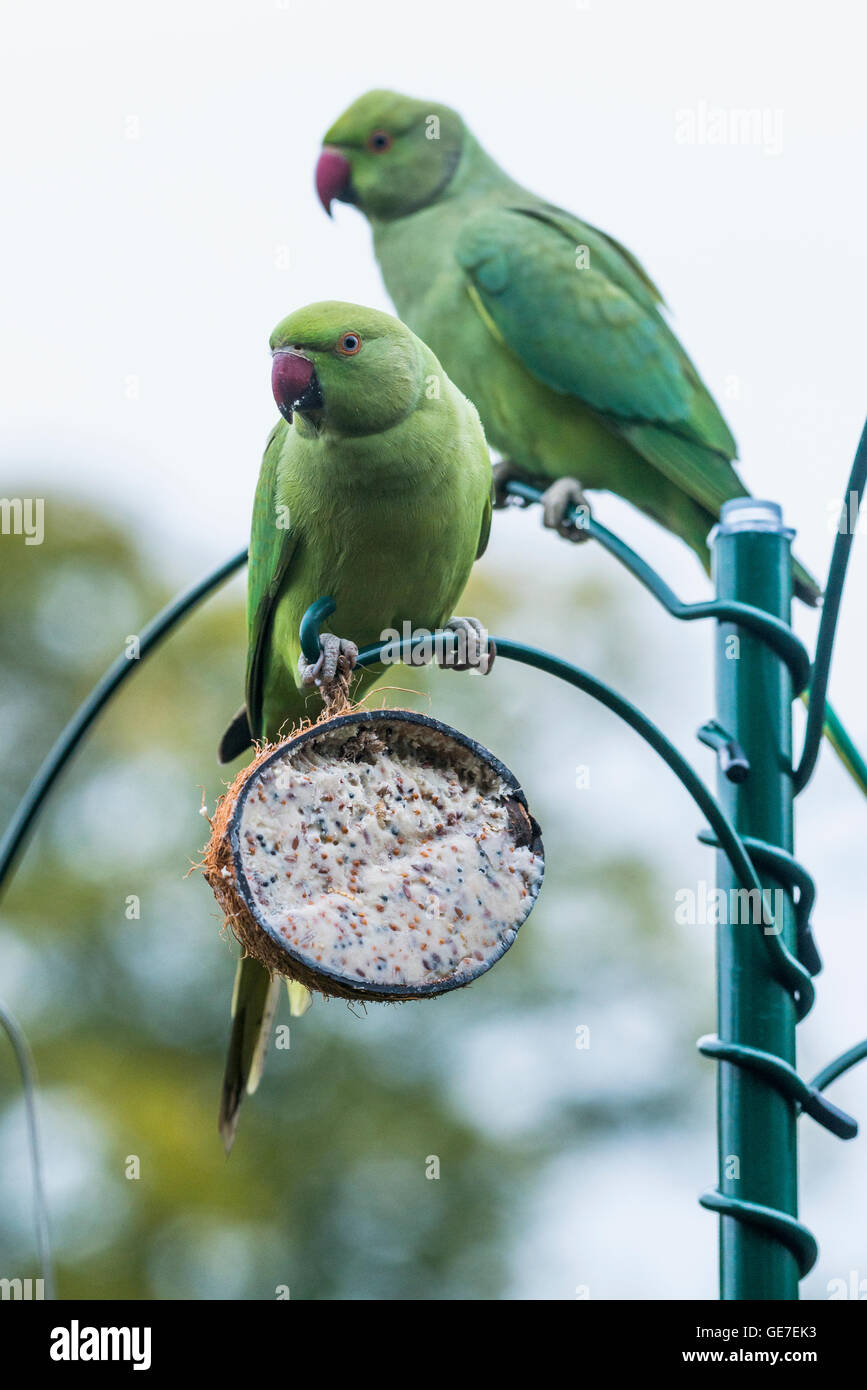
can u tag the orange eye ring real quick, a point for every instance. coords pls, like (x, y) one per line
(349, 344)
(378, 141)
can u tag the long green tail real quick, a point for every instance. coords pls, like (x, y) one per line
(835, 733)
(839, 739)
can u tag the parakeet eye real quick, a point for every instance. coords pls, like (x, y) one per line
(378, 141)
(348, 343)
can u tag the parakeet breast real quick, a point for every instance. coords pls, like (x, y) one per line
(388, 527)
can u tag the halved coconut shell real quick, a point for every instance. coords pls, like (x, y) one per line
(378, 855)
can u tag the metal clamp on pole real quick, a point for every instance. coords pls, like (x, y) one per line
(733, 761)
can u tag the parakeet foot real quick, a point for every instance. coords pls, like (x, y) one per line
(557, 503)
(335, 650)
(507, 472)
(473, 651)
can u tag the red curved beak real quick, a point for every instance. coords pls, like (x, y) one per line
(332, 177)
(293, 381)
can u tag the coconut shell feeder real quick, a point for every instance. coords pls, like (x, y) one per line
(377, 855)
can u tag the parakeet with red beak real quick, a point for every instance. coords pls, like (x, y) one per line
(550, 326)
(375, 490)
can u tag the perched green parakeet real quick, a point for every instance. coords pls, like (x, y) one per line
(375, 489)
(551, 327)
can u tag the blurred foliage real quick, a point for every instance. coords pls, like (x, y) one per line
(326, 1190)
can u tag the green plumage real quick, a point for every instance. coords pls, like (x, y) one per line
(380, 497)
(552, 328)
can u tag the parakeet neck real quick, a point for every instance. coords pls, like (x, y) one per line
(477, 174)
(476, 177)
(404, 460)
(416, 250)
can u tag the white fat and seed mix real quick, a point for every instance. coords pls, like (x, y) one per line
(389, 871)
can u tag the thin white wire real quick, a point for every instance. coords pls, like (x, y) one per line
(21, 1048)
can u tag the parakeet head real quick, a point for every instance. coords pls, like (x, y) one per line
(347, 368)
(389, 154)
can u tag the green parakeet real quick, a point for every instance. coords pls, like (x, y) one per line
(550, 326)
(375, 489)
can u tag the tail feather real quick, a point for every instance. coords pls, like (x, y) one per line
(237, 738)
(300, 998)
(254, 1004)
(839, 739)
(804, 586)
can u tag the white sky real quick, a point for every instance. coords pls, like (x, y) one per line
(156, 165)
(150, 267)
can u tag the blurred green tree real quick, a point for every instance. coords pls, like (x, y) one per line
(114, 962)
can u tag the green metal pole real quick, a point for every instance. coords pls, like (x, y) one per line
(758, 1161)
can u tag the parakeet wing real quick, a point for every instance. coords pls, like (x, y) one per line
(485, 529)
(272, 546)
(273, 543)
(585, 322)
